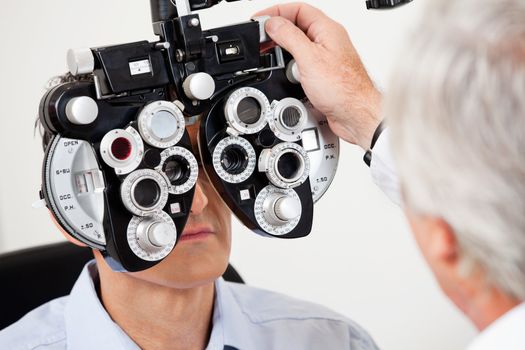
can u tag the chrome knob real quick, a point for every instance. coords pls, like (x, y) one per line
(280, 209)
(154, 235)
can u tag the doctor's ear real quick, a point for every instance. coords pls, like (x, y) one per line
(435, 237)
(67, 235)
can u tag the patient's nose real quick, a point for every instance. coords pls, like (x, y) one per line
(200, 200)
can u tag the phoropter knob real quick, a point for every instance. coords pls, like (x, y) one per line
(82, 110)
(292, 72)
(199, 86)
(264, 37)
(154, 235)
(280, 209)
(80, 61)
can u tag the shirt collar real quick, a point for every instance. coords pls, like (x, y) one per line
(88, 324)
(507, 332)
(230, 323)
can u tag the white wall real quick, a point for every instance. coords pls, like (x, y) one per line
(360, 258)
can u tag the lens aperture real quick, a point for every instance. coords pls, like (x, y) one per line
(146, 193)
(291, 116)
(290, 166)
(234, 159)
(249, 110)
(177, 169)
(163, 125)
(121, 148)
(180, 169)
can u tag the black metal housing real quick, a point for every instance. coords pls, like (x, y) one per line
(385, 4)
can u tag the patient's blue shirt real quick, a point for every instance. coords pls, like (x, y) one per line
(244, 318)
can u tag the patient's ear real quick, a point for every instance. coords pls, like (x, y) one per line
(67, 235)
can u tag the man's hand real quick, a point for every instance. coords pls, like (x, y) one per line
(331, 71)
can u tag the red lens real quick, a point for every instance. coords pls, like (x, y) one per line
(121, 148)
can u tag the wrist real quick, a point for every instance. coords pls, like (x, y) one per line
(371, 120)
(367, 135)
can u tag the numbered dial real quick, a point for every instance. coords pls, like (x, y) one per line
(234, 159)
(287, 165)
(277, 210)
(288, 118)
(74, 187)
(180, 168)
(144, 192)
(152, 238)
(246, 111)
(161, 124)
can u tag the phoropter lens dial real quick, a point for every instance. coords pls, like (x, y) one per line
(144, 192)
(122, 150)
(152, 238)
(246, 111)
(234, 159)
(277, 210)
(287, 165)
(289, 117)
(161, 124)
(180, 168)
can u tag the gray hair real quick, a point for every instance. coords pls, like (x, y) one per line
(457, 113)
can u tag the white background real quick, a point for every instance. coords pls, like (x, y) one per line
(360, 258)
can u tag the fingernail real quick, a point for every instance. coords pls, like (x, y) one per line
(274, 23)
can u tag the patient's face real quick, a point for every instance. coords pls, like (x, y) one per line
(203, 250)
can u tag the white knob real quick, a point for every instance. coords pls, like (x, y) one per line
(80, 61)
(161, 234)
(279, 209)
(288, 208)
(199, 86)
(264, 37)
(155, 235)
(292, 72)
(81, 110)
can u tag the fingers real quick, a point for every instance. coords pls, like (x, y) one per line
(302, 15)
(318, 27)
(290, 38)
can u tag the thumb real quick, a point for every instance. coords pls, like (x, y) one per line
(289, 37)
